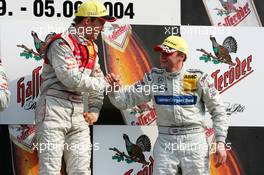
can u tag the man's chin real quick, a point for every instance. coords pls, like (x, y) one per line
(163, 66)
(94, 37)
(91, 37)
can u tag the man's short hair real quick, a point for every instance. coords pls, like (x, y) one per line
(79, 19)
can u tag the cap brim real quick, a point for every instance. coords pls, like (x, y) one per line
(162, 48)
(158, 48)
(108, 18)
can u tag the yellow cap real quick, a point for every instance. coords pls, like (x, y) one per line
(94, 9)
(172, 44)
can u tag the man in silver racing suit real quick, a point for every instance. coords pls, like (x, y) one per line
(180, 97)
(70, 69)
(4, 92)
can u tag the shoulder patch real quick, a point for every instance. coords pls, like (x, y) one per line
(190, 81)
(195, 71)
(206, 81)
(203, 79)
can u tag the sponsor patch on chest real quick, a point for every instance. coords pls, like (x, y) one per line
(175, 100)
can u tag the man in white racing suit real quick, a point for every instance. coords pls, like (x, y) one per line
(71, 68)
(180, 97)
(4, 92)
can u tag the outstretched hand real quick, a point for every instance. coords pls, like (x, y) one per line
(114, 81)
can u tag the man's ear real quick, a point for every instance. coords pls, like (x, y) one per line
(182, 57)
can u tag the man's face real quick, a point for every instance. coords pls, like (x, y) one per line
(169, 60)
(94, 28)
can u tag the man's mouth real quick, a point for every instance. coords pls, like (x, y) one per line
(163, 60)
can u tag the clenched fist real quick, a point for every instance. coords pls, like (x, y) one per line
(90, 117)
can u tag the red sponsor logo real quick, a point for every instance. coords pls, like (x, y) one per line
(147, 170)
(24, 135)
(232, 76)
(29, 90)
(209, 132)
(120, 30)
(235, 19)
(146, 118)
